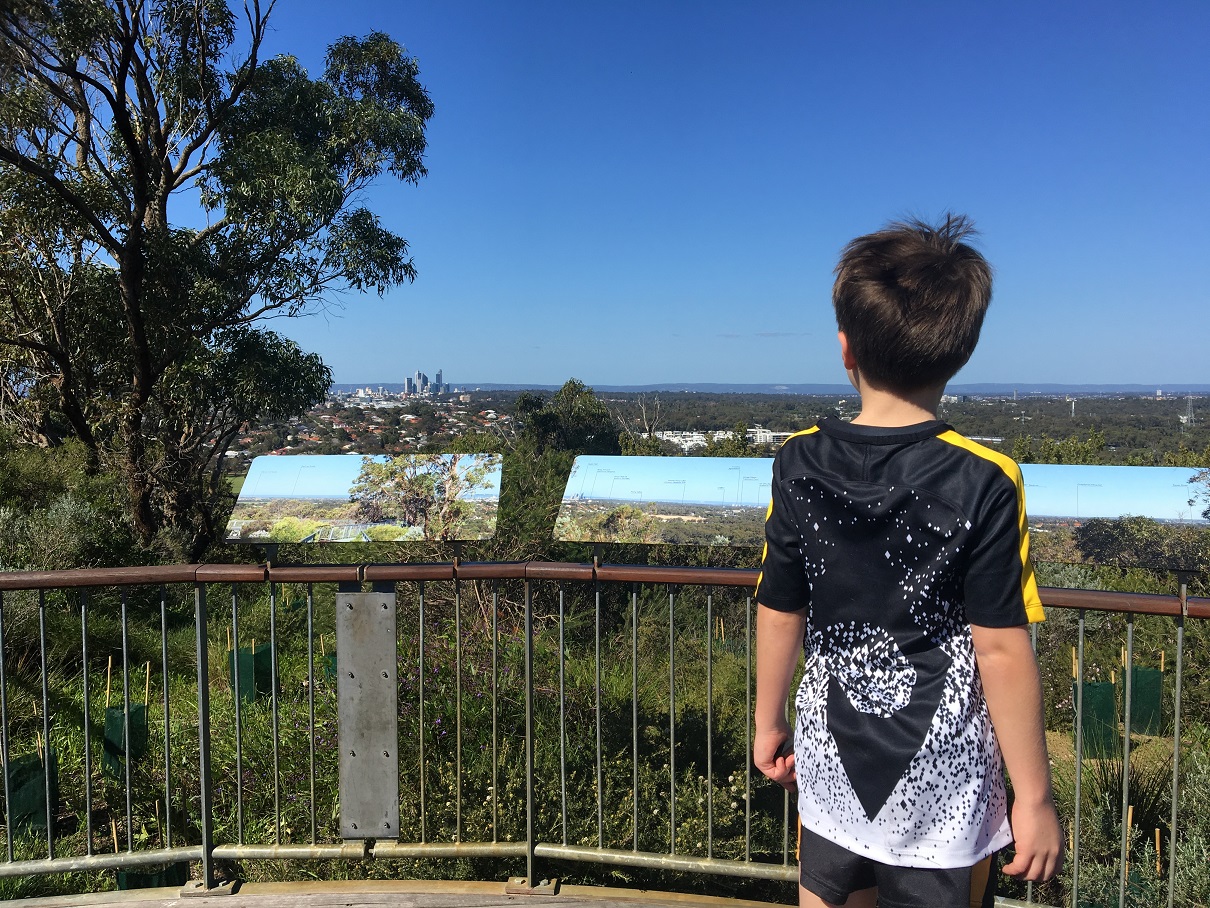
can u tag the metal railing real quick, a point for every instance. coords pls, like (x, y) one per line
(549, 714)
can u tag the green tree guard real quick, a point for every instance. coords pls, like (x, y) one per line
(1146, 688)
(27, 791)
(113, 748)
(1100, 718)
(255, 671)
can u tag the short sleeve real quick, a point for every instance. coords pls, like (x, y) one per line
(782, 584)
(1000, 589)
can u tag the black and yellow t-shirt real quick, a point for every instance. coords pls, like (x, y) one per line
(896, 540)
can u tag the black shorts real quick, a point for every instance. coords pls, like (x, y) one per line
(833, 873)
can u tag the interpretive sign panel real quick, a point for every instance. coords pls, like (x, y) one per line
(723, 500)
(675, 500)
(1081, 492)
(356, 498)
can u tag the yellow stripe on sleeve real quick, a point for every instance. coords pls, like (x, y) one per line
(1029, 585)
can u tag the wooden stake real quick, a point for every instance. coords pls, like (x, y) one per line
(1123, 657)
(113, 830)
(147, 686)
(159, 831)
(38, 743)
(1161, 660)
(1129, 823)
(1074, 673)
(1158, 871)
(108, 681)
(228, 639)
(1113, 677)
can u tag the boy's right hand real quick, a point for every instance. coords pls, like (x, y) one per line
(1038, 841)
(773, 754)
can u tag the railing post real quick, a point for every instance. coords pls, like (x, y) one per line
(1078, 676)
(46, 754)
(530, 879)
(203, 732)
(8, 800)
(1127, 681)
(1183, 580)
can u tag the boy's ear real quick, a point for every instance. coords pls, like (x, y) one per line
(846, 353)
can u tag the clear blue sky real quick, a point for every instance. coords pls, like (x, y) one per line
(639, 192)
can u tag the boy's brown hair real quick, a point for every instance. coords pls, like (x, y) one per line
(911, 299)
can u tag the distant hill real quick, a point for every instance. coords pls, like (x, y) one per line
(985, 389)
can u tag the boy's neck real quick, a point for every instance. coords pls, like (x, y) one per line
(881, 407)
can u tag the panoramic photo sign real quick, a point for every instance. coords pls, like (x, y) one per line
(722, 500)
(1079, 492)
(676, 500)
(356, 498)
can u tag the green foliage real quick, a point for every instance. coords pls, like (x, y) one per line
(54, 514)
(1060, 450)
(1143, 542)
(734, 445)
(133, 334)
(573, 419)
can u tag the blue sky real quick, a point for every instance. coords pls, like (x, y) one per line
(640, 192)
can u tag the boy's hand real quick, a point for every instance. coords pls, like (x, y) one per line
(773, 754)
(1039, 843)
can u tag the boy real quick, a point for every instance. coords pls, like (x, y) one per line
(897, 556)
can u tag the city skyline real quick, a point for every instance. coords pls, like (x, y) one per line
(649, 193)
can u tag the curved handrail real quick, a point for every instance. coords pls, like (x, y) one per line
(1131, 603)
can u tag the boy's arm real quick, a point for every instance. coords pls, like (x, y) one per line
(1009, 671)
(778, 642)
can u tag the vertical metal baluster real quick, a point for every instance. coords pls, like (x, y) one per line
(495, 705)
(239, 716)
(457, 707)
(8, 801)
(1075, 835)
(709, 722)
(420, 731)
(1033, 641)
(671, 721)
(562, 713)
(273, 709)
(87, 724)
(205, 783)
(311, 700)
(1128, 670)
(596, 586)
(529, 736)
(1183, 580)
(167, 718)
(126, 721)
(634, 708)
(748, 734)
(50, 807)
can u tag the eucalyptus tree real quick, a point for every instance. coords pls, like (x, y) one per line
(164, 189)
